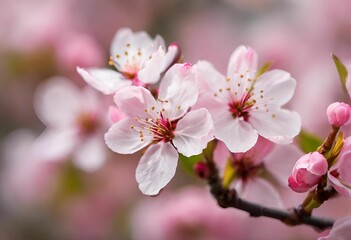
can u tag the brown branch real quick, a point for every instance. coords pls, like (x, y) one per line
(228, 198)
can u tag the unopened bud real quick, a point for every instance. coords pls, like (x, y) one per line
(201, 170)
(307, 172)
(338, 114)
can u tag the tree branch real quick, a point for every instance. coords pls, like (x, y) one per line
(228, 198)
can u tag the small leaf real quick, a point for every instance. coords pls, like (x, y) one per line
(308, 142)
(187, 163)
(263, 69)
(229, 174)
(342, 70)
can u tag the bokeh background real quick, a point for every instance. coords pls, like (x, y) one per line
(43, 39)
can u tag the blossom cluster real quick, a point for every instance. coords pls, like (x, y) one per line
(152, 102)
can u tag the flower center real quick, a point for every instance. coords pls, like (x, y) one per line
(87, 123)
(159, 129)
(241, 108)
(245, 168)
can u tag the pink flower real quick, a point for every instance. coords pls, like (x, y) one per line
(341, 230)
(187, 214)
(244, 106)
(139, 60)
(308, 171)
(165, 125)
(338, 114)
(339, 175)
(74, 123)
(252, 166)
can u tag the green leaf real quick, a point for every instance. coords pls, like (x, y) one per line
(263, 69)
(342, 70)
(187, 163)
(308, 142)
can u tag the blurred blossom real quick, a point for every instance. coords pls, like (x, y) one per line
(75, 120)
(24, 178)
(341, 230)
(255, 169)
(190, 213)
(79, 50)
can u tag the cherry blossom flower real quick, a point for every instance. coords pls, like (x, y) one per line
(252, 168)
(74, 123)
(138, 58)
(244, 105)
(340, 231)
(308, 171)
(165, 125)
(339, 175)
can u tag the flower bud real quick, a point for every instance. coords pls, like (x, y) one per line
(338, 114)
(307, 172)
(201, 170)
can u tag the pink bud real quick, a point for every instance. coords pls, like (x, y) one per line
(307, 172)
(338, 114)
(201, 170)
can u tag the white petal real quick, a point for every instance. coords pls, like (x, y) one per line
(179, 87)
(237, 134)
(156, 168)
(190, 132)
(277, 125)
(91, 154)
(210, 80)
(55, 145)
(277, 85)
(151, 72)
(137, 102)
(243, 59)
(104, 80)
(122, 138)
(260, 191)
(58, 102)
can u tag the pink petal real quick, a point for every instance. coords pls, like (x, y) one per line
(180, 89)
(190, 131)
(340, 230)
(221, 155)
(156, 168)
(104, 80)
(91, 154)
(136, 101)
(281, 161)
(260, 191)
(121, 138)
(277, 85)
(277, 125)
(55, 145)
(338, 186)
(237, 134)
(243, 59)
(58, 102)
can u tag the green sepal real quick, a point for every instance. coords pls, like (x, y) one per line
(308, 142)
(342, 71)
(187, 163)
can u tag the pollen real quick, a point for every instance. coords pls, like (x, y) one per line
(128, 44)
(145, 110)
(126, 53)
(228, 79)
(239, 84)
(228, 89)
(241, 76)
(273, 115)
(220, 90)
(178, 107)
(152, 108)
(132, 127)
(118, 56)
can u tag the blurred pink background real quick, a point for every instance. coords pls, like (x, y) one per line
(43, 39)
